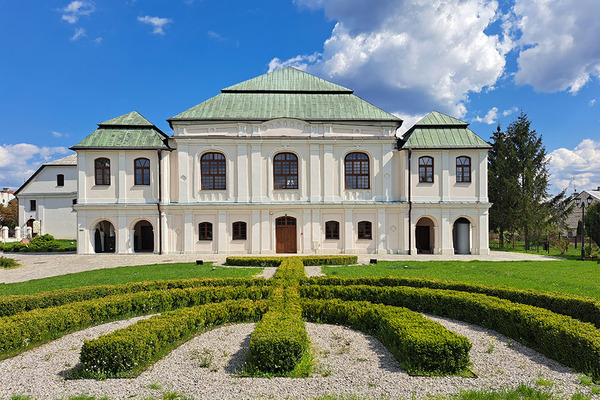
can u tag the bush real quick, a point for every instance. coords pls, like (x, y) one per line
(39, 244)
(14, 304)
(128, 351)
(22, 331)
(567, 340)
(279, 341)
(585, 309)
(290, 268)
(422, 346)
(8, 263)
(275, 261)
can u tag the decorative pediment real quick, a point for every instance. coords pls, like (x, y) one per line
(285, 127)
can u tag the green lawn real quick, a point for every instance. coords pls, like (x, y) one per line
(574, 277)
(111, 276)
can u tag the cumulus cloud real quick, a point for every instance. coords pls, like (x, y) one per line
(559, 43)
(19, 161)
(76, 9)
(214, 35)
(409, 56)
(506, 113)
(59, 135)
(156, 23)
(489, 118)
(79, 32)
(577, 168)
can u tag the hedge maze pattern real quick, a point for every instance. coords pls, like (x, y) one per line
(563, 327)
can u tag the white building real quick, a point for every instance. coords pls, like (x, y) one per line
(283, 163)
(6, 195)
(46, 200)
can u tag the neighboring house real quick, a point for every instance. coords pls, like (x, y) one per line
(6, 195)
(575, 217)
(46, 200)
(283, 163)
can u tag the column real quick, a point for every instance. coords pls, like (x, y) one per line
(123, 236)
(256, 184)
(328, 173)
(81, 178)
(267, 240)
(314, 175)
(122, 179)
(382, 245)
(482, 230)
(348, 232)
(242, 173)
(445, 177)
(481, 176)
(386, 171)
(188, 232)
(315, 235)
(445, 237)
(255, 229)
(305, 233)
(222, 232)
(183, 173)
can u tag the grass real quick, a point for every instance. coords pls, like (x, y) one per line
(572, 253)
(139, 273)
(572, 277)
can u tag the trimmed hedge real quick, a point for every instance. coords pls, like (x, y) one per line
(306, 260)
(8, 263)
(127, 352)
(25, 330)
(14, 304)
(586, 309)
(567, 340)
(279, 340)
(421, 345)
(290, 268)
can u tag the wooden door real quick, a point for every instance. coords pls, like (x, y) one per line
(422, 240)
(285, 235)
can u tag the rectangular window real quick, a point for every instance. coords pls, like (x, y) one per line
(32, 205)
(60, 180)
(239, 231)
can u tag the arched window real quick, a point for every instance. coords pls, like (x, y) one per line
(213, 171)
(60, 180)
(332, 230)
(426, 169)
(463, 169)
(102, 171)
(142, 171)
(364, 230)
(205, 231)
(239, 230)
(357, 171)
(285, 171)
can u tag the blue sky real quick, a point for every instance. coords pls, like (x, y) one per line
(67, 65)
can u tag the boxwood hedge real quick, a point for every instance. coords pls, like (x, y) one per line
(586, 309)
(422, 346)
(567, 340)
(128, 351)
(290, 268)
(306, 260)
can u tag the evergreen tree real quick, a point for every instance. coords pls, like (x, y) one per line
(592, 222)
(532, 173)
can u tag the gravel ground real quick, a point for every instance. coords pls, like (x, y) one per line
(348, 363)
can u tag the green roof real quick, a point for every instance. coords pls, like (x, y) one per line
(129, 131)
(286, 93)
(437, 130)
(287, 79)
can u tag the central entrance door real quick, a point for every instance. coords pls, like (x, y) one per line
(285, 235)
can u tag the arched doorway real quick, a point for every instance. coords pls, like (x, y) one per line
(30, 225)
(424, 238)
(285, 235)
(104, 237)
(461, 236)
(143, 237)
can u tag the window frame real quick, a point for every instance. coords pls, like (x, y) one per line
(104, 171)
(32, 205)
(213, 180)
(239, 230)
(281, 165)
(205, 231)
(365, 230)
(332, 230)
(145, 172)
(60, 180)
(463, 171)
(356, 183)
(427, 177)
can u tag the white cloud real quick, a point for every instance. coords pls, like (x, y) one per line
(559, 43)
(581, 165)
(214, 35)
(79, 32)
(592, 102)
(98, 40)
(156, 22)
(489, 118)
(19, 161)
(409, 57)
(59, 135)
(506, 113)
(301, 62)
(77, 9)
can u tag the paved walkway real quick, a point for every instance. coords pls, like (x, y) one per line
(35, 266)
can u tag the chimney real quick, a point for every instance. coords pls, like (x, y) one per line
(598, 189)
(5, 189)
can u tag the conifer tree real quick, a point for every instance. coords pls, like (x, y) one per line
(592, 222)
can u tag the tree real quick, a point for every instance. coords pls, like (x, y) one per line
(592, 222)
(532, 182)
(502, 184)
(9, 215)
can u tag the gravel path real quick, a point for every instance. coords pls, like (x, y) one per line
(348, 363)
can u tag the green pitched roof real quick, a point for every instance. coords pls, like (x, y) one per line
(286, 93)
(129, 131)
(437, 130)
(287, 79)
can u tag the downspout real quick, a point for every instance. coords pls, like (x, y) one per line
(160, 240)
(409, 204)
